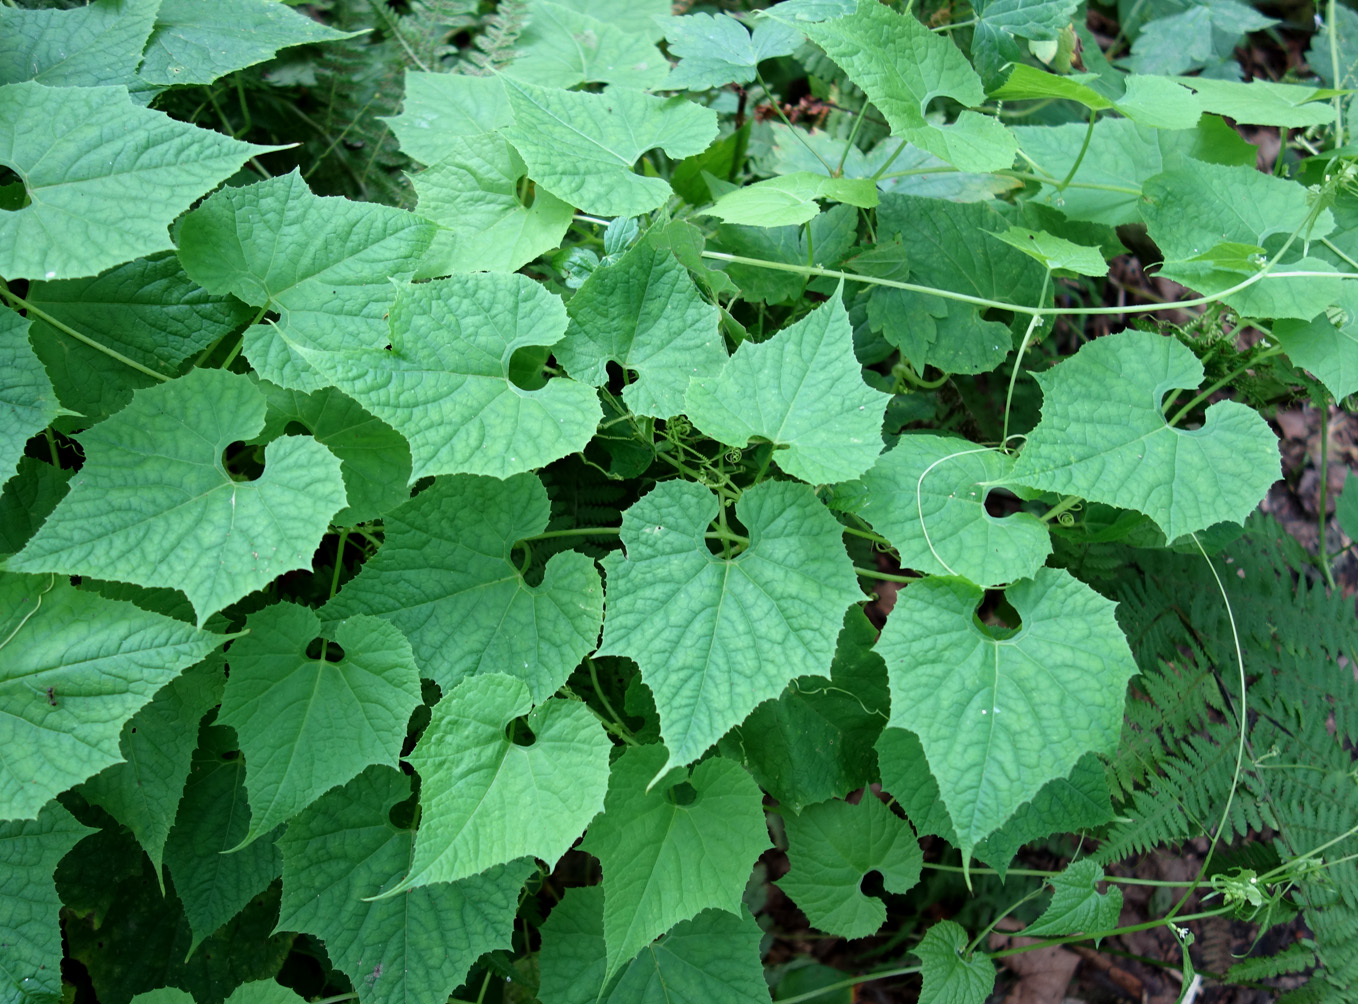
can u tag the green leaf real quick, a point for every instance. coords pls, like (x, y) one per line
(30, 930)
(644, 313)
(323, 263)
(309, 722)
(638, 17)
(1055, 252)
(1000, 23)
(581, 147)
(374, 458)
(1326, 345)
(713, 957)
(561, 46)
(84, 47)
(999, 717)
(446, 385)
(831, 848)
(801, 390)
(28, 499)
(927, 496)
(416, 946)
(1192, 209)
(940, 239)
(473, 194)
(949, 978)
(214, 818)
(27, 402)
(815, 741)
(195, 43)
(790, 200)
(902, 66)
(1104, 437)
(668, 853)
(447, 579)
(164, 995)
(148, 310)
(1346, 507)
(1150, 101)
(487, 800)
(714, 637)
(1197, 36)
(83, 218)
(157, 744)
(154, 505)
(263, 992)
(1121, 155)
(76, 667)
(1062, 805)
(1078, 907)
(716, 50)
(441, 110)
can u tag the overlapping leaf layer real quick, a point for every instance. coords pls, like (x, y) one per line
(397, 567)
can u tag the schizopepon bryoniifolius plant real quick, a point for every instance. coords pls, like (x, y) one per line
(588, 500)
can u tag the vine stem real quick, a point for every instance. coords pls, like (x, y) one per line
(625, 732)
(853, 982)
(1216, 386)
(778, 107)
(1037, 873)
(1331, 15)
(1079, 157)
(981, 301)
(1112, 933)
(1027, 336)
(46, 318)
(1241, 716)
(579, 531)
(872, 573)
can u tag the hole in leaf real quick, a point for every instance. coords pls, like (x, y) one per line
(527, 192)
(296, 429)
(1001, 502)
(320, 648)
(873, 884)
(518, 732)
(617, 377)
(527, 365)
(243, 461)
(996, 616)
(683, 793)
(13, 194)
(231, 755)
(402, 814)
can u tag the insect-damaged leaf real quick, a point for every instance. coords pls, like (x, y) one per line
(155, 505)
(104, 177)
(715, 636)
(446, 577)
(416, 946)
(307, 722)
(1104, 437)
(998, 717)
(669, 853)
(801, 390)
(485, 799)
(831, 847)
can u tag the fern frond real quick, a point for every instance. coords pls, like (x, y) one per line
(494, 46)
(1293, 959)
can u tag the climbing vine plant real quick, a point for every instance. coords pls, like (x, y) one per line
(459, 593)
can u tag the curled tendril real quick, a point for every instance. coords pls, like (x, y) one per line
(1066, 519)
(733, 456)
(678, 427)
